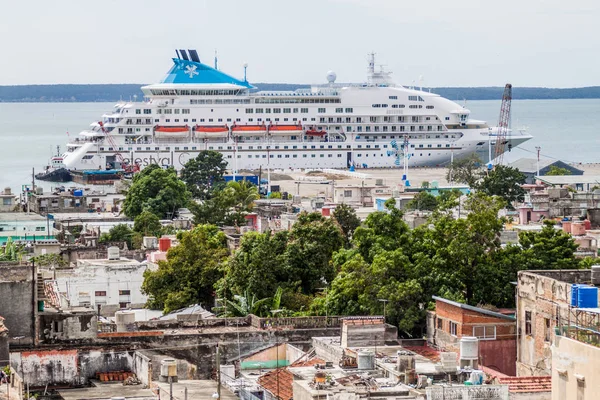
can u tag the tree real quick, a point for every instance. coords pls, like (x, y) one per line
(548, 249)
(423, 201)
(244, 193)
(203, 174)
(556, 171)
(50, 261)
(11, 251)
(189, 274)
(348, 221)
(243, 305)
(505, 182)
(465, 170)
(157, 190)
(257, 266)
(147, 224)
(311, 244)
(227, 206)
(118, 233)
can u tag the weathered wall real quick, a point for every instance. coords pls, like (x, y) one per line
(42, 367)
(273, 357)
(92, 361)
(142, 367)
(500, 355)
(546, 295)
(62, 326)
(328, 349)
(575, 370)
(16, 301)
(293, 353)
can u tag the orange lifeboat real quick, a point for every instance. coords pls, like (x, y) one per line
(211, 131)
(171, 132)
(314, 132)
(249, 130)
(286, 129)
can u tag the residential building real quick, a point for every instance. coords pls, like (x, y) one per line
(7, 201)
(495, 330)
(544, 305)
(24, 226)
(106, 285)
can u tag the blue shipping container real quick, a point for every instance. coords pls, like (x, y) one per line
(253, 179)
(587, 297)
(574, 288)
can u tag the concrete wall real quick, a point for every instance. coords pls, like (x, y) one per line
(67, 325)
(328, 349)
(142, 367)
(576, 370)
(363, 332)
(546, 295)
(16, 301)
(293, 354)
(273, 357)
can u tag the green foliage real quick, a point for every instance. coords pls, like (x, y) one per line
(275, 195)
(549, 249)
(243, 305)
(556, 171)
(227, 206)
(157, 190)
(425, 184)
(11, 251)
(257, 266)
(348, 221)
(147, 224)
(311, 244)
(423, 201)
(203, 174)
(50, 260)
(505, 182)
(118, 233)
(465, 170)
(191, 270)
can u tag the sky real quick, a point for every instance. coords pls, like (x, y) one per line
(546, 43)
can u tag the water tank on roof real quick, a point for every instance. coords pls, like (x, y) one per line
(574, 290)
(366, 360)
(113, 253)
(164, 244)
(469, 348)
(168, 368)
(596, 275)
(587, 297)
(125, 321)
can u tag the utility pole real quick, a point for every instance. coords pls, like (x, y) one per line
(218, 372)
(538, 149)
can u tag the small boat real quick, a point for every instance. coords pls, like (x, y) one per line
(55, 171)
(286, 129)
(249, 130)
(211, 131)
(315, 132)
(171, 131)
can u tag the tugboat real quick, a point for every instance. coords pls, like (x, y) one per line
(55, 171)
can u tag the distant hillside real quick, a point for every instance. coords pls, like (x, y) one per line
(114, 92)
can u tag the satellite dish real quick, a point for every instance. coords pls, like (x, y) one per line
(331, 77)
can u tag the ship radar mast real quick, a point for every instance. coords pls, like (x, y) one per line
(379, 78)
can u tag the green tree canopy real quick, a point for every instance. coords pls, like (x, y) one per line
(465, 170)
(147, 224)
(505, 182)
(157, 190)
(556, 171)
(203, 174)
(118, 233)
(227, 206)
(191, 270)
(423, 201)
(550, 248)
(347, 219)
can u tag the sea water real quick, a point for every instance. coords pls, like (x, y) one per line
(30, 132)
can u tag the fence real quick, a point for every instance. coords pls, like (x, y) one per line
(484, 392)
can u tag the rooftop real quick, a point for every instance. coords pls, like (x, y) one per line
(475, 309)
(196, 389)
(107, 391)
(20, 217)
(570, 179)
(122, 261)
(527, 384)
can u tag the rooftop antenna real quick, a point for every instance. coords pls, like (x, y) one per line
(245, 70)
(216, 61)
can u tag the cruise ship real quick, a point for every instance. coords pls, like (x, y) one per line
(196, 107)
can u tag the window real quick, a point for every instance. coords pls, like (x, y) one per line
(440, 323)
(453, 328)
(546, 329)
(122, 305)
(100, 293)
(321, 110)
(484, 332)
(249, 110)
(124, 292)
(528, 322)
(138, 111)
(349, 110)
(339, 110)
(347, 193)
(393, 97)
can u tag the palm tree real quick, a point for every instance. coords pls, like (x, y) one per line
(11, 251)
(244, 193)
(242, 306)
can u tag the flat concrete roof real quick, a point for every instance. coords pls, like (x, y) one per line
(20, 216)
(107, 391)
(122, 261)
(569, 179)
(197, 389)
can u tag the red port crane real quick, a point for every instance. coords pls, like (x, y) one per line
(503, 124)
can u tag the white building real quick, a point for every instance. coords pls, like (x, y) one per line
(23, 226)
(107, 284)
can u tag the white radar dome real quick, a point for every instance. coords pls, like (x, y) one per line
(331, 76)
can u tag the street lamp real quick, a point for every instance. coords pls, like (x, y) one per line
(384, 301)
